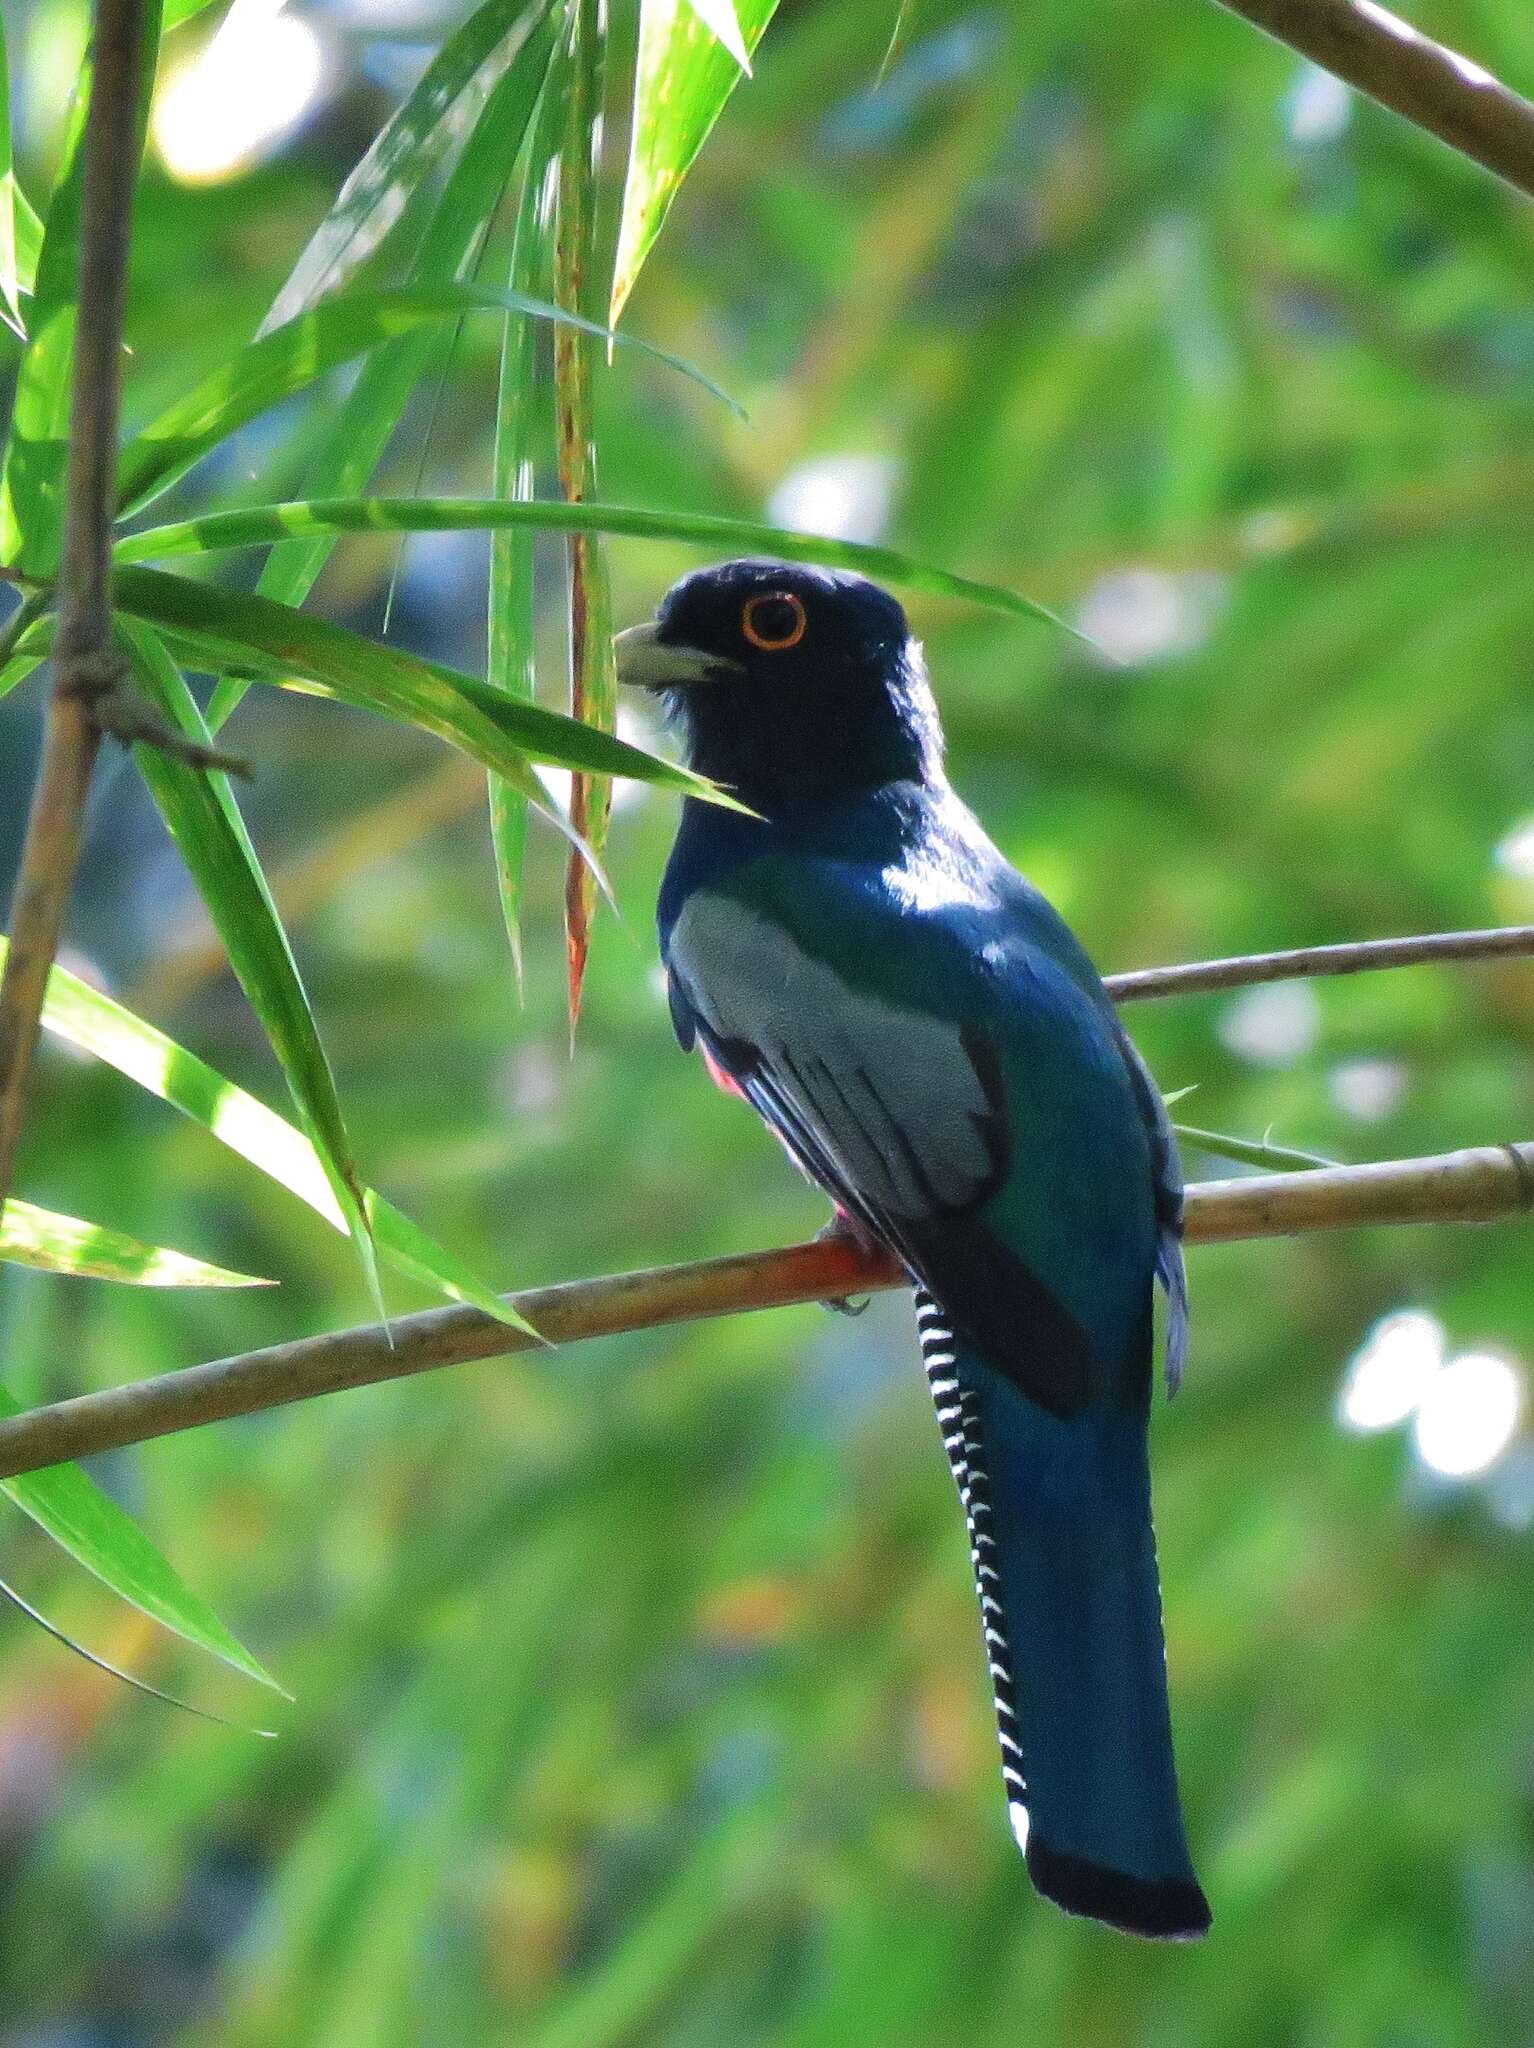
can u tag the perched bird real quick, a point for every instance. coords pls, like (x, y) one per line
(934, 1049)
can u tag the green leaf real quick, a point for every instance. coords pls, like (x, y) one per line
(169, 1699)
(96, 1533)
(370, 413)
(412, 142)
(290, 358)
(30, 1236)
(510, 639)
(32, 484)
(28, 230)
(25, 642)
(19, 667)
(273, 640)
(179, 11)
(686, 73)
(257, 525)
(201, 814)
(593, 672)
(1251, 1151)
(92, 1021)
(721, 17)
(10, 288)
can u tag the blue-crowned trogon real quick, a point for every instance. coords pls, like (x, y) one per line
(934, 1048)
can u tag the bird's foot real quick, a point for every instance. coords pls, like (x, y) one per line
(841, 1231)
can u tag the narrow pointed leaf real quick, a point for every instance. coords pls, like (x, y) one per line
(292, 357)
(30, 1236)
(513, 552)
(19, 667)
(721, 17)
(87, 1018)
(258, 525)
(179, 11)
(32, 484)
(169, 1699)
(686, 73)
(29, 239)
(201, 814)
(593, 677)
(239, 631)
(96, 1533)
(408, 149)
(27, 642)
(368, 416)
(10, 286)
(1251, 1151)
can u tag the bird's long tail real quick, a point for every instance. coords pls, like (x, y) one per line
(1065, 1567)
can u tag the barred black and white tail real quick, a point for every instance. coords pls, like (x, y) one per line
(958, 1418)
(1065, 1568)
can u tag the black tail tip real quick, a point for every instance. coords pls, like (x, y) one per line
(1164, 1909)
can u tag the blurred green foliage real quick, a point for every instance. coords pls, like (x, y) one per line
(639, 1694)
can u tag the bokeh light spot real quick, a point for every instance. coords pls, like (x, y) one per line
(1272, 1026)
(234, 101)
(1468, 1414)
(845, 496)
(1391, 1371)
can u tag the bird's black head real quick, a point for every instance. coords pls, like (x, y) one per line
(791, 684)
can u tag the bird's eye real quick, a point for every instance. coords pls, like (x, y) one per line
(774, 621)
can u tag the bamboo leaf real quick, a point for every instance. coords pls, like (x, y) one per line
(510, 623)
(30, 1236)
(169, 1699)
(89, 1019)
(1251, 1151)
(10, 286)
(21, 664)
(593, 673)
(371, 411)
(179, 11)
(721, 17)
(94, 1530)
(258, 525)
(687, 70)
(410, 147)
(32, 484)
(201, 814)
(28, 230)
(276, 642)
(25, 643)
(292, 357)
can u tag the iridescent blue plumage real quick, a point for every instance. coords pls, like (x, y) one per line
(932, 1045)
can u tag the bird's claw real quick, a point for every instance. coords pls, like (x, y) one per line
(839, 1231)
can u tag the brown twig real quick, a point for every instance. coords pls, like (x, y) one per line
(1433, 87)
(86, 668)
(1245, 970)
(1454, 1187)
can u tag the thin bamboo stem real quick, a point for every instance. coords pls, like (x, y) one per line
(1431, 86)
(84, 661)
(1244, 970)
(1453, 1187)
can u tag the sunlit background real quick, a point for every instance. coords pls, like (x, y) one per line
(639, 1692)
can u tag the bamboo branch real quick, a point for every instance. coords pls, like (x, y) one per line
(1433, 87)
(85, 668)
(1454, 1187)
(1499, 942)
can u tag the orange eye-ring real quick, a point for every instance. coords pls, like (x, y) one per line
(774, 621)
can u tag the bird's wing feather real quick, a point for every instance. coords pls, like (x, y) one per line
(900, 1114)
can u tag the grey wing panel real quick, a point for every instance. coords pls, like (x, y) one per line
(909, 1105)
(901, 1118)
